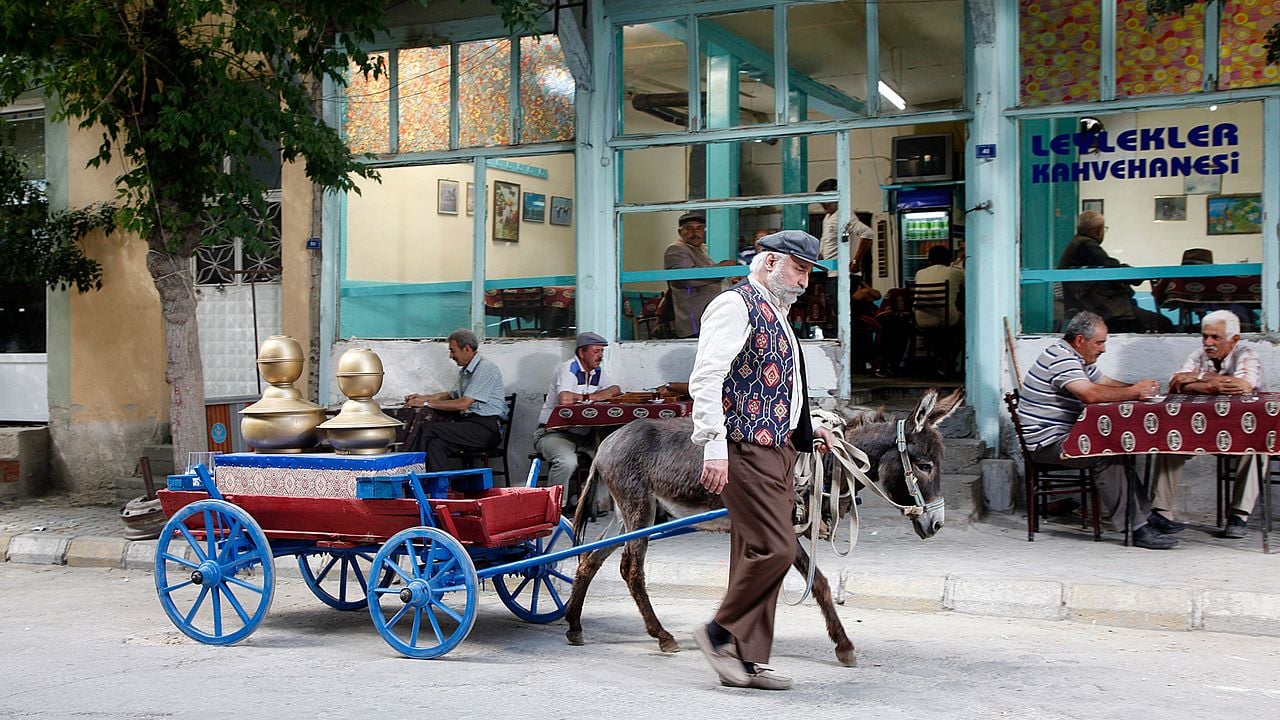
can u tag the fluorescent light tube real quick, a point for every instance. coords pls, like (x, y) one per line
(887, 93)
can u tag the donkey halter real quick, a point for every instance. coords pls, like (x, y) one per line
(913, 484)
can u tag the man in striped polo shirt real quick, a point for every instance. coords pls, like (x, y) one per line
(1054, 392)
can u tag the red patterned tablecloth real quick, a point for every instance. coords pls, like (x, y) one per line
(603, 414)
(1242, 290)
(1181, 424)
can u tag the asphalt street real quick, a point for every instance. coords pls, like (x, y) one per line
(94, 643)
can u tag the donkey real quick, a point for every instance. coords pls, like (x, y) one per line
(653, 461)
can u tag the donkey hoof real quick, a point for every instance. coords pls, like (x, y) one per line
(668, 644)
(574, 637)
(847, 657)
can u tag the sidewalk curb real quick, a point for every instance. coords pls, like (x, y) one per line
(1134, 606)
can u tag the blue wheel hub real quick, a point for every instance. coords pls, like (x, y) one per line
(209, 572)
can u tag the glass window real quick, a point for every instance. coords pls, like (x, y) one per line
(366, 115)
(688, 264)
(1243, 54)
(530, 258)
(22, 305)
(424, 99)
(546, 91)
(736, 68)
(827, 47)
(1156, 57)
(654, 91)
(921, 56)
(484, 93)
(1177, 195)
(407, 269)
(1060, 51)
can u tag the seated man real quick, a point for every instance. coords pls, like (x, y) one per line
(930, 320)
(1054, 392)
(479, 401)
(580, 378)
(1222, 366)
(1111, 299)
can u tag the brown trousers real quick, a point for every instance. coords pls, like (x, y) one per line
(760, 497)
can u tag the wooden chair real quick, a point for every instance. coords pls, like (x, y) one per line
(522, 312)
(1043, 481)
(934, 343)
(475, 458)
(1228, 465)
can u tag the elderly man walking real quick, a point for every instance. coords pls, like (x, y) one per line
(1055, 390)
(1222, 366)
(751, 417)
(581, 378)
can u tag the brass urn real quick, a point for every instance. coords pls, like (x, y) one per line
(281, 421)
(360, 428)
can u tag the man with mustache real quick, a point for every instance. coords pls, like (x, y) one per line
(751, 417)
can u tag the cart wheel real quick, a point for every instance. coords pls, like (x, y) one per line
(538, 593)
(433, 568)
(345, 572)
(216, 597)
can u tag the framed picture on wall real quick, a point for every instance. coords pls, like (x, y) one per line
(1094, 205)
(1234, 214)
(506, 211)
(561, 210)
(1202, 184)
(535, 207)
(471, 198)
(447, 197)
(1171, 208)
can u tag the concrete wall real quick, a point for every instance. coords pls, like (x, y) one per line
(527, 365)
(107, 390)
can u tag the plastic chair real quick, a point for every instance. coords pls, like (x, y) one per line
(1043, 481)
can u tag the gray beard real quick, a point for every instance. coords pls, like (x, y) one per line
(781, 297)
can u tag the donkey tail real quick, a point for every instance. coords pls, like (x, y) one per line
(586, 495)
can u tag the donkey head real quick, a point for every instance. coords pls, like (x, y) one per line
(906, 458)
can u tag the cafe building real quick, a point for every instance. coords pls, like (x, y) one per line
(531, 185)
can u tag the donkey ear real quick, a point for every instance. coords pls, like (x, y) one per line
(920, 415)
(946, 406)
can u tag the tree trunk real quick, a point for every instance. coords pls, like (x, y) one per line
(184, 371)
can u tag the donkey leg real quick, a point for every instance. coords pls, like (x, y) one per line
(632, 568)
(588, 566)
(822, 594)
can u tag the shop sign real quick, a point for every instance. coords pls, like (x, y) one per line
(1158, 139)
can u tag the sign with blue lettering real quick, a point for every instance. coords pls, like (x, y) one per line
(313, 243)
(1138, 154)
(218, 433)
(985, 151)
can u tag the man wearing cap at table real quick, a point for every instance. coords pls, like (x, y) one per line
(581, 378)
(751, 423)
(689, 298)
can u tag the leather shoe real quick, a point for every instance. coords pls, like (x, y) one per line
(764, 678)
(1236, 528)
(723, 659)
(1152, 539)
(1164, 524)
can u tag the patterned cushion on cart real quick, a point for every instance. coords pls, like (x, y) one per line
(307, 474)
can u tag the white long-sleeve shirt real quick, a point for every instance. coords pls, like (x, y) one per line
(725, 330)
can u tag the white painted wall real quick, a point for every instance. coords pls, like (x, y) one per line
(395, 233)
(527, 365)
(25, 380)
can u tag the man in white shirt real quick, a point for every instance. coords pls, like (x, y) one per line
(581, 378)
(1222, 366)
(751, 417)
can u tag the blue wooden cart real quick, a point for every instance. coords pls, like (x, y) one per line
(412, 548)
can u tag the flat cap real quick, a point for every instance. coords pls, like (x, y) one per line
(695, 216)
(589, 338)
(796, 243)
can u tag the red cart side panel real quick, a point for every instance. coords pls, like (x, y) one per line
(499, 516)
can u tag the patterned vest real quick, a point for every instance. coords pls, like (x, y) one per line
(757, 391)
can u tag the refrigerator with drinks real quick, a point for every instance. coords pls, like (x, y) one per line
(924, 220)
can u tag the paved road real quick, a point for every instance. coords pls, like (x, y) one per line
(92, 643)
